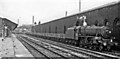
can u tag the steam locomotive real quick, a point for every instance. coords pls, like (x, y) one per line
(91, 37)
(95, 37)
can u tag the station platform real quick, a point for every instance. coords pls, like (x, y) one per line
(12, 47)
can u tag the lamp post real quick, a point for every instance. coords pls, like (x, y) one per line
(6, 31)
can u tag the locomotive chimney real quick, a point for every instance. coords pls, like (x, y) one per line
(66, 13)
(18, 21)
(79, 6)
(33, 20)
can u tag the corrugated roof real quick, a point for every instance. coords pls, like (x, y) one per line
(11, 22)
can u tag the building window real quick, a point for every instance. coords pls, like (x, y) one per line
(49, 29)
(96, 23)
(45, 30)
(56, 29)
(64, 29)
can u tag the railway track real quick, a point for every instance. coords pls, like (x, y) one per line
(113, 52)
(53, 52)
(93, 54)
(31, 49)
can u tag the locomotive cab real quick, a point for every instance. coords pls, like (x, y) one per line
(115, 32)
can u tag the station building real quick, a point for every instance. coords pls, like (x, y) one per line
(6, 26)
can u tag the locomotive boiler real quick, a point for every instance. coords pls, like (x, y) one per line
(93, 30)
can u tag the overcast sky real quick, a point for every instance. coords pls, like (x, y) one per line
(44, 10)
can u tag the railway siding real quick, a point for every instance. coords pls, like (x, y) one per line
(95, 53)
(51, 52)
(67, 53)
